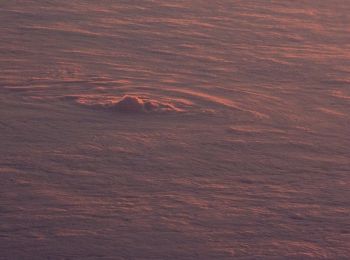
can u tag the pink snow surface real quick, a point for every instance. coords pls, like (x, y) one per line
(183, 129)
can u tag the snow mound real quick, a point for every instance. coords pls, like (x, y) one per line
(128, 104)
(133, 104)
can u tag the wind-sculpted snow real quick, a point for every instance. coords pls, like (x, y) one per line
(182, 129)
(136, 104)
(127, 104)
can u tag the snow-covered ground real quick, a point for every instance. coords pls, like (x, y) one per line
(176, 129)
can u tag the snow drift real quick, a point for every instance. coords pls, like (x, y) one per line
(127, 104)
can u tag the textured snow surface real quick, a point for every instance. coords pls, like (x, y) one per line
(177, 129)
